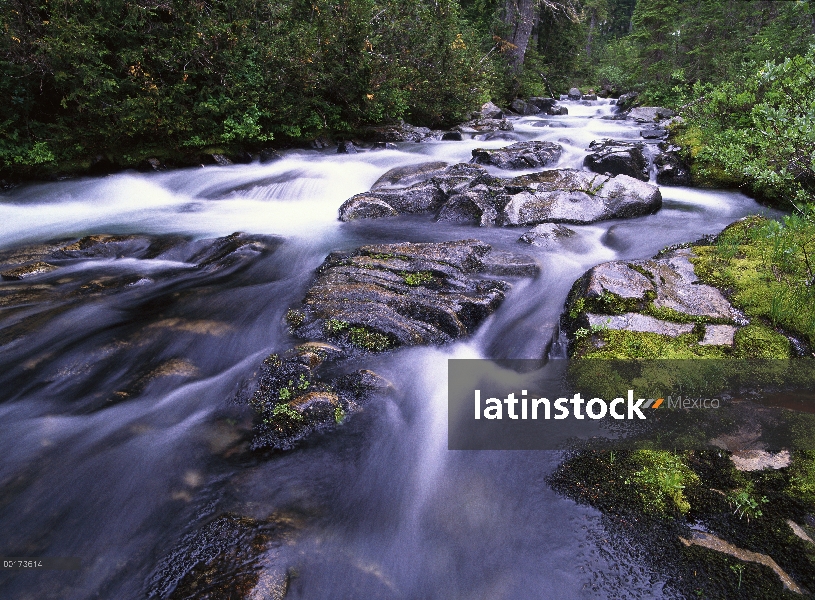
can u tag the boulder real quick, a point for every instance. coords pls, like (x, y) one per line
(400, 132)
(572, 196)
(483, 125)
(268, 155)
(558, 110)
(543, 103)
(574, 94)
(589, 97)
(491, 111)
(467, 193)
(546, 235)
(452, 136)
(523, 155)
(649, 114)
(385, 296)
(617, 158)
(671, 169)
(524, 108)
(346, 148)
(408, 175)
(660, 295)
(627, 101)
(654, 133)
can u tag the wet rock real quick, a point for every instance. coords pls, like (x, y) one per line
(30, 270)
(404, 176)
(617, 158)
(483, 125)
(452, 136)
(655, 133)
(546, 235)
(649, 114)
(523, 155)
(401, 132)
(226, 558)
(524, 108)
(671, 170)
(571, 196)
(574, 94)
(491, 111)
(221, 160)
(589, 96)
(268, 155)
(627, 101)
(150, 164)
(661, 295)
(320, 143)
(346, 148)
(383, 146)
(637, 322)
(384, 296)
(465, 193)
(543, 103)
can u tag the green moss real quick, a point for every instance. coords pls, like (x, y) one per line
(766, 268)
(339, 414)
(661, 480)
(802, 477)
(335, 325)
(705, 172)
(611, 304)
(621, 344)
(417, 278)
(285, 411)
(294, 318)
(369, 340)
(758, 341)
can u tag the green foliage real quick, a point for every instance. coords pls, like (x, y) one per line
(294, 318)
(802, 476)
(760, 130)
(339, 415)
(745, 504)
(661, 481)
(335, 325)
(130, 79)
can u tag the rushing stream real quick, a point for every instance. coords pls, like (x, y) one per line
(120, 443)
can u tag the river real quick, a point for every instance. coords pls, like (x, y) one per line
(111, 459)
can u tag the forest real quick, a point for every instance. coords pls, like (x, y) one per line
(122, 80)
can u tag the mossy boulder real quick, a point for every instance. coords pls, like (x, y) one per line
(384, 296)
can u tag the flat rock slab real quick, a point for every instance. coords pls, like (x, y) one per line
(719, 335)
(638, 322)
(617, 158)
(758, 460)
(389, 295)
(467, 193)
(523, 155)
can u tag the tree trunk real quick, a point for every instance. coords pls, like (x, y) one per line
(519, 16)
(592, 25)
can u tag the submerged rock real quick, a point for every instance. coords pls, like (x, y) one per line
(523, 155)
(467, 193)
(29, 270)
(617, 158)
(545, 235)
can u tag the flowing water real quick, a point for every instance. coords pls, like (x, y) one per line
(120, 443)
